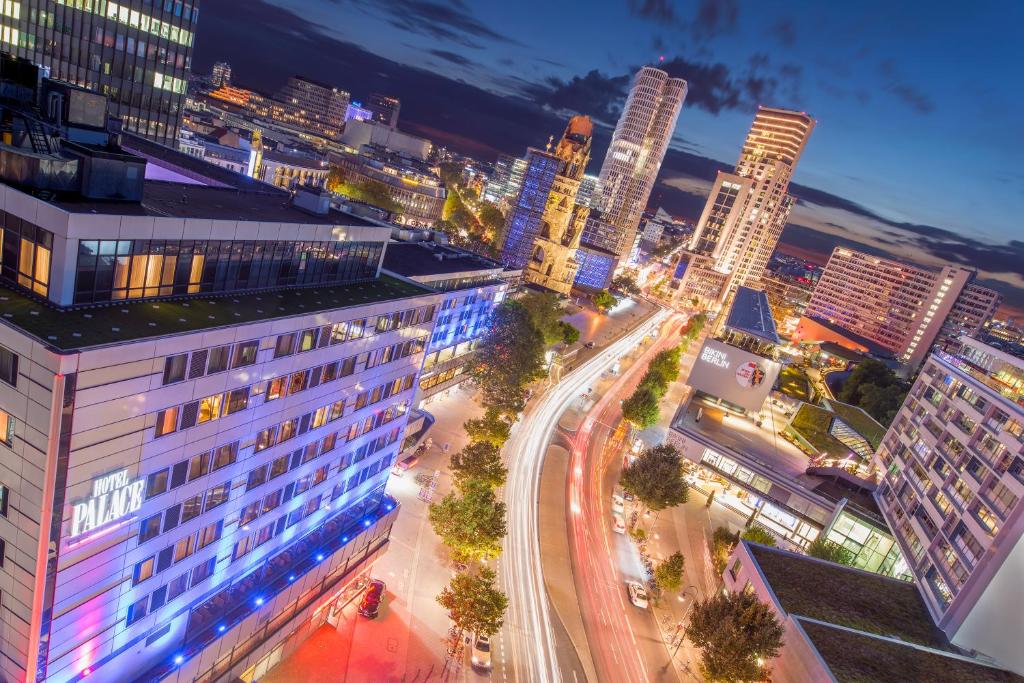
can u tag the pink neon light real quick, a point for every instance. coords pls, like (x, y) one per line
(104, 532)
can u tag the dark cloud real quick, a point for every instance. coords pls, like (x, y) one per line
(452, 57)
(906, 93)
(658, 10)
(594, 93)
(450, 20)
(785, 31)
(714, 18)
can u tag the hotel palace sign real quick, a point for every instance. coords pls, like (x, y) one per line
(113, 497)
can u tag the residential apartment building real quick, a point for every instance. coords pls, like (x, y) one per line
(632, 162)
(322, 104)
(954, 478)
(202, 390)
(139, 56)
(748, 208)
(904, 308)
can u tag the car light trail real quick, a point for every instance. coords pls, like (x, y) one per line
(529, 627)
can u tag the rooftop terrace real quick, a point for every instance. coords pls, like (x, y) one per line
(70, 330)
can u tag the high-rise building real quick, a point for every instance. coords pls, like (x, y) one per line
(384, 108)
(203, 385)
(220, 76)
(138, 56)
(316, 101)
(746, 209)
(633, 160)
(585, 195)
(903, 308)
(544, 225)
(954, 480)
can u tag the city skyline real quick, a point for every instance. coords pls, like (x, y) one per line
(922, 210)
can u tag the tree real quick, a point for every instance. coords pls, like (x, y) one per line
(734, 632)
(492, 217)
(870, 371)
(656, 478)
(641, 408)
(474, 603)
(824, 549)
(570, 335)
(694, 326)
(479, 461)
(471, 524)
(722, 543)
(451, 173)
(511, 356)
(492, 428)
(626, 283)
(372, 192)
(604, 300)
(759, 535)
(545, 312)
(882, 403)
(876, 389)
(668, 575)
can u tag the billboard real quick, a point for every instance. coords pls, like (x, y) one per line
(732, 374)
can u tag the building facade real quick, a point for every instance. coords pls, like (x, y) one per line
(138, 56)
(220, 75)
(525, 217)
(410, 182)
(748, 208)
(633, 160)
(324, 105)
(904, 308)
(288, 171)
(384, 109)
(954, 464)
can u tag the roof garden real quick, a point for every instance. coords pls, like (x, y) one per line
(836, 428)
(857, 658)
(128, 321)
(794, 383)
(848, 597)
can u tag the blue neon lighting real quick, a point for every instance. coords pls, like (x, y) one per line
(179, 659)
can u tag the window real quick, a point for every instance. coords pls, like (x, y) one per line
(209, 408)
(285, 345)
(137, 610)
(184, 548)
(174, 368)
(297, 382)
(245, 354)
(150, 528)
(209, 534)
(199, 466)
(265, 439)
(224, 456)
(8, 366)
(192, 508)
(143, 570)
(307, 340)
(218, 361)
(279, 466)
(157, 600)
(237, 401)
(217, 495)
(156, 483)
(257, 477)
(177, 586)
(271, 501)
(171, 517)
(203, 571)
(276, 388)
(6, 428)
(166, 421)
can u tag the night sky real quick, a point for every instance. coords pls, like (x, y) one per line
(918, 103)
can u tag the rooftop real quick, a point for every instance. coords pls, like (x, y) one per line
(873, 347)
(751, 314)
(413, 259)
(848, 597)
(189, 166)
(861, 658)
(183, 200)
(70, 330)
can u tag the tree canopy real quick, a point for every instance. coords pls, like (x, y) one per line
(656, 478)
(511, 356)
(372, 192)
(722, 543)
(641, 408)
(471, 523)
(626, 283)
(545, 312)
(604, 301)
(830, 551)
(758, 535)
(478, 461)
(875, 388)
(668, 575)
(474, 603)
(733, 631)
(492, 428)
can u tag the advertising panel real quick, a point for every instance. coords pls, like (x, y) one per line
(732, 374)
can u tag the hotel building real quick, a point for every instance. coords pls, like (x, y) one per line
(202, 389)
(902, 307)
(746, 209)
(630, 168)
(954, 479)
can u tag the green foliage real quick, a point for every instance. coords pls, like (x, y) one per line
(372, 192)
(733, 631)
(545, 312)
(669, 574)
(626, 283)
(694, 326)
(604, 301)
(492, 217)
(474, 603)
(471, 524)
(758, 535)
(570, 335)
(722, 543)
(511, 357)
(492, 428)
(641, 408)
(875, 388)
(451, 173)
(824, 549)
(656, 478)
(478, 461)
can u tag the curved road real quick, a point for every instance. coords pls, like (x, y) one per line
(529, 633)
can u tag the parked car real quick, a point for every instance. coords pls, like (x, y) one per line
(637, 594)
(588, 345)
(372, 599)
(619, 524)
(618, 503)
(405, 465)
(481, 656)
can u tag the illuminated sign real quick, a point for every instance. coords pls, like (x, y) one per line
(749, 374)
(113, 497)
(715, 357)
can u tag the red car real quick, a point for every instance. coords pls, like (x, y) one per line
(372, 598)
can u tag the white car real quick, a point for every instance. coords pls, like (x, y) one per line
(481, 656)
(637, 594)
(619, 524)
(618, 503)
